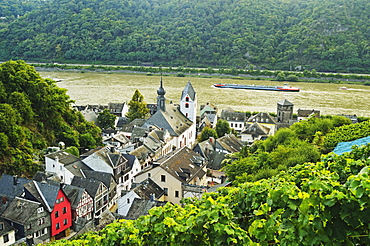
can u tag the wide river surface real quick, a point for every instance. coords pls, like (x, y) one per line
(102, 88)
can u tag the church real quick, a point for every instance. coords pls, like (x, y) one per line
(178, 120)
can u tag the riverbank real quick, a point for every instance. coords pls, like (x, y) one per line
(240, 74)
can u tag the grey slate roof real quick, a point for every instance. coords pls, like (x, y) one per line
(308, 113)
(233, 116)
(142, 152)
(46, 177)
(184, 164)
(139, 132)
(77, 167)
(73, 194)
(105, 178)
(11, 186)
(230, 143)
(20, 210)
(171, 119)
(141, 207)
(95, 159)
(130, 159)
(188, 90)
(44, 193)
(6, 228)
(262, 117)
(63, 157)
(91, 185)
(135, 123)
(285, 103)
(148, 187)
(256, 129)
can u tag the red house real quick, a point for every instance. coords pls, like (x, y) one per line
(55, 202)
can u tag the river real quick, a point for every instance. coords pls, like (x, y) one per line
(102, 88)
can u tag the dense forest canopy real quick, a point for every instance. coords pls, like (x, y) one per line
(325, 35)
(35, 114)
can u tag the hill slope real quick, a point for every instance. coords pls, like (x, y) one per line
(328, 35)
(34, 114)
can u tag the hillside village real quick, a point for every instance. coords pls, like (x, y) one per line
(143, 164)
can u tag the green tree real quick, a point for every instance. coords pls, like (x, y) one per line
(88, 141)
(35, 113)
(222, 128)
(137, 107)
(106, 119)
(206, 133)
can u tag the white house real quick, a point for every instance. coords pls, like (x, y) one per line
(65, 165)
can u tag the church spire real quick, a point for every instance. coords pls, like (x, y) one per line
(161, 100)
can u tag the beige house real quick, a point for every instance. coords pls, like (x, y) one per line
(177, 169)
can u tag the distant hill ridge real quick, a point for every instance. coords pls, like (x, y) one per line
(325, 35)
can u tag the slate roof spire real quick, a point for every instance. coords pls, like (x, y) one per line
(161, 100)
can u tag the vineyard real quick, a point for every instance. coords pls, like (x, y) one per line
(347, 133)
(322, 203)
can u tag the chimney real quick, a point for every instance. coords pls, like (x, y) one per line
(15, 180)
(211, 140)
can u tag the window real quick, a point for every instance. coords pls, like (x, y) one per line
(57, 226)
(41, 232)
(187, 99)
(176, 193)
(186, 105)
(1, 226)
(64, 210)
(232, 124)
(56, 214)
(65, 222)
(128, 200)
(6, 238)
(40, 210)
(163, 178)
(41, 221)
(165, 191)
(148, 175)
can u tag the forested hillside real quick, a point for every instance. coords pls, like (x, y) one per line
(325, 35)
(35, 114)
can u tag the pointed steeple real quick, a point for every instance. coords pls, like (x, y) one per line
(161, 100)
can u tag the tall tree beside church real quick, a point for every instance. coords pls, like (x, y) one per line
(137, 107)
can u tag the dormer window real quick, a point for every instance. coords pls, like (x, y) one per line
(40, 210)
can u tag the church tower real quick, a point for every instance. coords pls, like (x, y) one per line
(161, 100)
(188, 102)
(284, 111)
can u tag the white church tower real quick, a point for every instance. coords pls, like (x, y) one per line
(188, 102)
